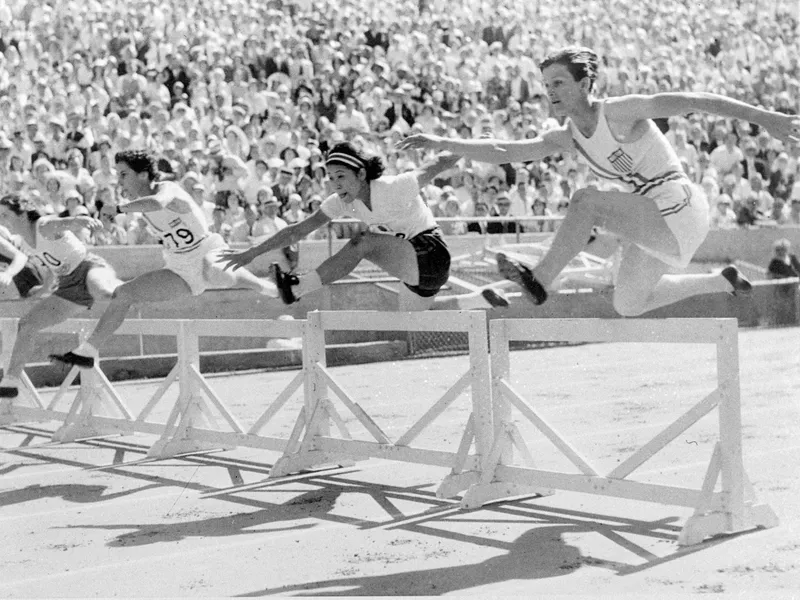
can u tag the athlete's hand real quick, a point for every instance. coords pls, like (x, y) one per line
(5, 278)
(92, 224)
(236, 259)
(784, 127)
(421, 141)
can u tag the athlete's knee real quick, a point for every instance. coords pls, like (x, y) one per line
(629, 303)
(583, 197)
(359, 241)
(122, 294)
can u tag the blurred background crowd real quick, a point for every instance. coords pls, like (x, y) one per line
(240, 100)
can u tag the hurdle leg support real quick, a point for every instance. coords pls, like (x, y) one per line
(95, 397)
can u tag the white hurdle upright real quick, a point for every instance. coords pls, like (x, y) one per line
(311, 442)
(193, 425)
(731, 509)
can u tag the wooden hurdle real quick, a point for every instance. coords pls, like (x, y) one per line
(311, 442)
(194, 423)
(731, 509)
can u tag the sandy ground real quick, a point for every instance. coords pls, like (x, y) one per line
(75, 524)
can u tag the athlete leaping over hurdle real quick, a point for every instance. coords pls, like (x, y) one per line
(661, 220)
(404, 239)
(190, 252)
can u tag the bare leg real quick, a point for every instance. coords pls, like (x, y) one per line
(643, 283)
(241, 278)
(633, 217)
(46, 313)
(156, 286)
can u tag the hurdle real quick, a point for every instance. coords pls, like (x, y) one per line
(733, 508)
(195, 421)
(311, 442)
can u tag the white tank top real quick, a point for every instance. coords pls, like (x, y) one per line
(61, 255)
(641, 165)
(179, 233)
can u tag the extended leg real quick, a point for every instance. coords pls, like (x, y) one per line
(46, 313)
(644, 284)
(156, 286)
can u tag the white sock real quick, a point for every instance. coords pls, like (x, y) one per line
(268, 289)
(308, 283)
(86, 349)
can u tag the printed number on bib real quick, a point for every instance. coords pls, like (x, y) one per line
(179, 239)
(47, 260)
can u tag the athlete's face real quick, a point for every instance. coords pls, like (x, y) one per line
(8, 218)
(563, 91)
(132, 184)
(345, 182)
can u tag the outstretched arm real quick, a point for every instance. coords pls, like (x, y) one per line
(637, 107)
(441, 163)
(18, 261)
(54, 227)
(292, 234)
(494, 151)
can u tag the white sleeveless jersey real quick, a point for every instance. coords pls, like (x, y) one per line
(179, 233)
(397, 207)
(61, 255)
(641, 165)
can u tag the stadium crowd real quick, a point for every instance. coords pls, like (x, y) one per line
(240, 101)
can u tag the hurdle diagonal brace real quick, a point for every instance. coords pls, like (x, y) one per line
(311, 443)
(191, 411)
(96, 397)
(317, 413)
(732, 509)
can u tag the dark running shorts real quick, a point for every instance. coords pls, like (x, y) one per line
(433, 261)
(72, 287)
(26, 280)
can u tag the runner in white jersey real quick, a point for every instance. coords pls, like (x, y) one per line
(190, 252)
(402, 236)
(660, 220)
(81, 277)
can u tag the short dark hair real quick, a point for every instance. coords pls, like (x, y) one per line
(16, 204)
(580, 61)
(373, 165)
(139, 161)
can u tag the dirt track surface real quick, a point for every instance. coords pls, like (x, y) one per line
(75, 524)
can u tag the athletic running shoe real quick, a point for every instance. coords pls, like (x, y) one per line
(73, 360)
(495, 297)
(6, 391)
(741, 285)
(522, 276)
(284, 283)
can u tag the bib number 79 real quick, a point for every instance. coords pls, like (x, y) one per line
(180, 237)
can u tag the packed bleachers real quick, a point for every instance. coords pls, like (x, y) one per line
(240, 100)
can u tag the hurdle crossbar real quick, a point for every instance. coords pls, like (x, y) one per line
(733, 508)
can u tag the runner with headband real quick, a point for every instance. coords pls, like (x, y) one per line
(402, 237)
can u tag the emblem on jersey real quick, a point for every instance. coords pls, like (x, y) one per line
(620, 160)
(176, 222)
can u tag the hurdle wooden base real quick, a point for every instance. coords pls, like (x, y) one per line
(732, 509)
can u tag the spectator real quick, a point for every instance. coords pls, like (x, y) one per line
(479, 225)
(502, 208)
(784, 263)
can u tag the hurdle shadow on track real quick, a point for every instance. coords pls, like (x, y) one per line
(74, 492)
(538, 553)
